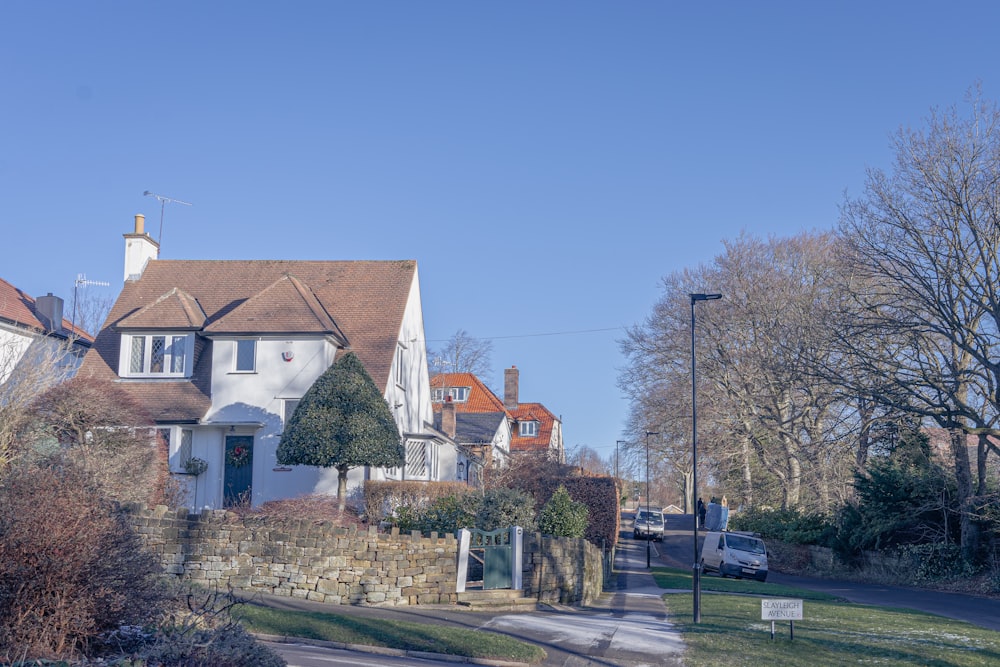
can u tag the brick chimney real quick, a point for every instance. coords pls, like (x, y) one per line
(510, 388)
(448, 426)
(139, 249)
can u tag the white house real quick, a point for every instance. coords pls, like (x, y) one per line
(35, 338)
(220, 352)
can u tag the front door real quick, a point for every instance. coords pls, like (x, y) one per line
(239, 470)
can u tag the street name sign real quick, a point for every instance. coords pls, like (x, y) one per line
(781, 610)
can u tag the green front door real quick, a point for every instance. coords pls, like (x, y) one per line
(239, 470)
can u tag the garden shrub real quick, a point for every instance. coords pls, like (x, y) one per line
(383, 499)
(71, 567)
(444, 516)
(600, 495)
(562, 517)
(792, 526)
(502, 508)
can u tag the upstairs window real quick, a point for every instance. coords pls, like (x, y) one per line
(527, 429)
(458, 394)
(246, 355)
(156, 355)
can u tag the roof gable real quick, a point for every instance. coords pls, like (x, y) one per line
(175, 310)
(286, 306)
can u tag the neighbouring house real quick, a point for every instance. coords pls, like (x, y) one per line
(221, 351)
(530, 427)
(483, 439)
(535, 428)
(34, 334)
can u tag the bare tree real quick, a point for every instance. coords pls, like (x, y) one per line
(89, 310)
(28, 368)
(762, 411)
(590, 460)
(925, 240)
(463, 354)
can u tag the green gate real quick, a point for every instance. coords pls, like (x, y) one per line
(492, 548)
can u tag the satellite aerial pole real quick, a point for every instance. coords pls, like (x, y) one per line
(163, 202)
(81, 281)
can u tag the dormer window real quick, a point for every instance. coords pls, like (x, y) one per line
(527, 429)
(457, 394)
(156, 355)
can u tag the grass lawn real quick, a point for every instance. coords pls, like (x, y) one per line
(403, 635)
(832, 632)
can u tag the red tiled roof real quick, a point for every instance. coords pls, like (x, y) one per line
(481, 399)
(362, 302)
(18, 308)
(546, 422)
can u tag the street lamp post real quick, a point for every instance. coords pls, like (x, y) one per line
(617, 443)
(649, 536)
(696, 570)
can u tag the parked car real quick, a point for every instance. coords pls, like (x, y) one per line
(734, 554)
(648, 525)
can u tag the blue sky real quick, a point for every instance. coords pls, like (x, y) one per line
(546, 163)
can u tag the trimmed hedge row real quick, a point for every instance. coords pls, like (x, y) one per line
(383, 497)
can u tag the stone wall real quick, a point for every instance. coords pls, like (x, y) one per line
(561, 569)
(319, 561)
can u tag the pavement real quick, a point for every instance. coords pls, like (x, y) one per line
(625, 627)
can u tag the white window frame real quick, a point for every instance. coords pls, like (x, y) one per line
(168, 358)
(457, 394)
(236, 355)
(180, 446)
(527, 428)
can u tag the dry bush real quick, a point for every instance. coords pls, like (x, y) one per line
(314, 507)
(107, 434)
(383, 497)
(71, 567)
(201, 630)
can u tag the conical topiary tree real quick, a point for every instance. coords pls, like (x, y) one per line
(342, 422)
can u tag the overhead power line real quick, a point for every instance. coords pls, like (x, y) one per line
(535, 335)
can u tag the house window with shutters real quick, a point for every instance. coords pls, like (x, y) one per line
(416, 459)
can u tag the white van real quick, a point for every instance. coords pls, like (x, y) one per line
(738, 555)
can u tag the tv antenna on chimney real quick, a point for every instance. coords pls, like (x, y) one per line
(81, 281)
(163, 202)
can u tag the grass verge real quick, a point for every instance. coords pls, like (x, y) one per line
(402, 635)
(832, 632)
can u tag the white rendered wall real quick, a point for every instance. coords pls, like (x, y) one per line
(258, 397)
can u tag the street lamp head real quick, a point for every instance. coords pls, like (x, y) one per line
(704, 297)
(649, 433)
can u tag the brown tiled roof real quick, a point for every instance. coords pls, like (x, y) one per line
(481, 399)
(364, 301)
(175, 310)
(18, 308)
(285, 306)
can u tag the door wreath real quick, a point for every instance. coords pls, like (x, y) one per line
(238, 456)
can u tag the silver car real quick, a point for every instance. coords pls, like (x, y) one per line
(648, 525)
